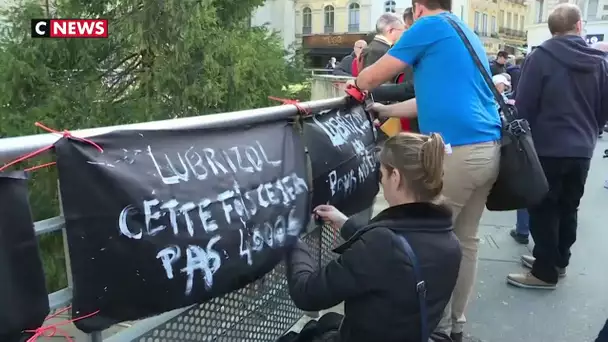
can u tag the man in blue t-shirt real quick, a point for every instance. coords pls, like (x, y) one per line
(452, 99)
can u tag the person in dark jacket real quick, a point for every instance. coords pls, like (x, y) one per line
(515, 71)
(403, 88)
(344, 68)
(373, 275)
(603, 336)
(389, 28)
(498, 66)
(348, 65)
(563, 93)
(602, 46)
(331, 64)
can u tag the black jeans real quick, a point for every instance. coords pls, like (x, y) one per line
(553, 222)
(603, 336)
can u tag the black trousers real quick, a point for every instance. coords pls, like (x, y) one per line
(553, 222)
(603, 336)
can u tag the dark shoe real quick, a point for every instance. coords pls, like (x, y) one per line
(519, 238)
(528, 262)
(456, 337)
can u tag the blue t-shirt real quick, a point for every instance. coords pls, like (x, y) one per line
(452, 97)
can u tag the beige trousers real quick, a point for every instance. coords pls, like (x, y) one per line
(469, 173)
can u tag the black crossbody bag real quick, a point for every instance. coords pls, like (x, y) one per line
(521, 181)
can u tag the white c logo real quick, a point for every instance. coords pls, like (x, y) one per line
(38, 26)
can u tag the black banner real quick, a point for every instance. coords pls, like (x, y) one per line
(24, 302)
(341, 147)
(165, 219)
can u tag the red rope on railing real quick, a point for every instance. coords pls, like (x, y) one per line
(53, 329)
(302, 110)
(65, 134)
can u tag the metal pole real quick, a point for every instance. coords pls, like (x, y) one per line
(11, 148)
(66, 247)
(95, 337)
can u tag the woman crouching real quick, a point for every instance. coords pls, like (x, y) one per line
(375, 275)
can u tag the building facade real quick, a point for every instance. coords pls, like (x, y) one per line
(500, 24)
(330, 28)
(278, 15)
(595, 20)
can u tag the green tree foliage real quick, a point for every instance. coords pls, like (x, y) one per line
(163, 59)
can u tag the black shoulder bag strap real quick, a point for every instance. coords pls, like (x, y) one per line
(506, 111)
(420, 288)
(420, 283)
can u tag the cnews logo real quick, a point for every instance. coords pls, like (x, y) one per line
(69, 28)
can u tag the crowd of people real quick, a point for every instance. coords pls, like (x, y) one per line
(409, 273)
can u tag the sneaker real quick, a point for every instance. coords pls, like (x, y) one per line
(529, 281)
(528, 262)
(456, 337)
(519, 238)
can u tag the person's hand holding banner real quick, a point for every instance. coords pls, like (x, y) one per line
(331, 215)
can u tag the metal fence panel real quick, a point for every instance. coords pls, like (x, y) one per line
(260, 312)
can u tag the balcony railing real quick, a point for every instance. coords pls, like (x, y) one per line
(329, 29)
(306, 29)
(353, 28)
(511, 32)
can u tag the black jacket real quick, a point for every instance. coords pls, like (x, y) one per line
(398, 92)
(373, 52)
(374, 277)
(563, 93)
(344, 68)
(514, 71)
(497, 68)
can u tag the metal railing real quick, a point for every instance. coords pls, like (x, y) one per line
(320, 71)
(306, 29)
(11, 148)
(328, 29)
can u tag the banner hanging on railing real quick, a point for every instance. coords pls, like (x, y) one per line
(341, 144)
(24, 303)
(165, 219)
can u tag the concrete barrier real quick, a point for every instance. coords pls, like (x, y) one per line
(328, 86)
